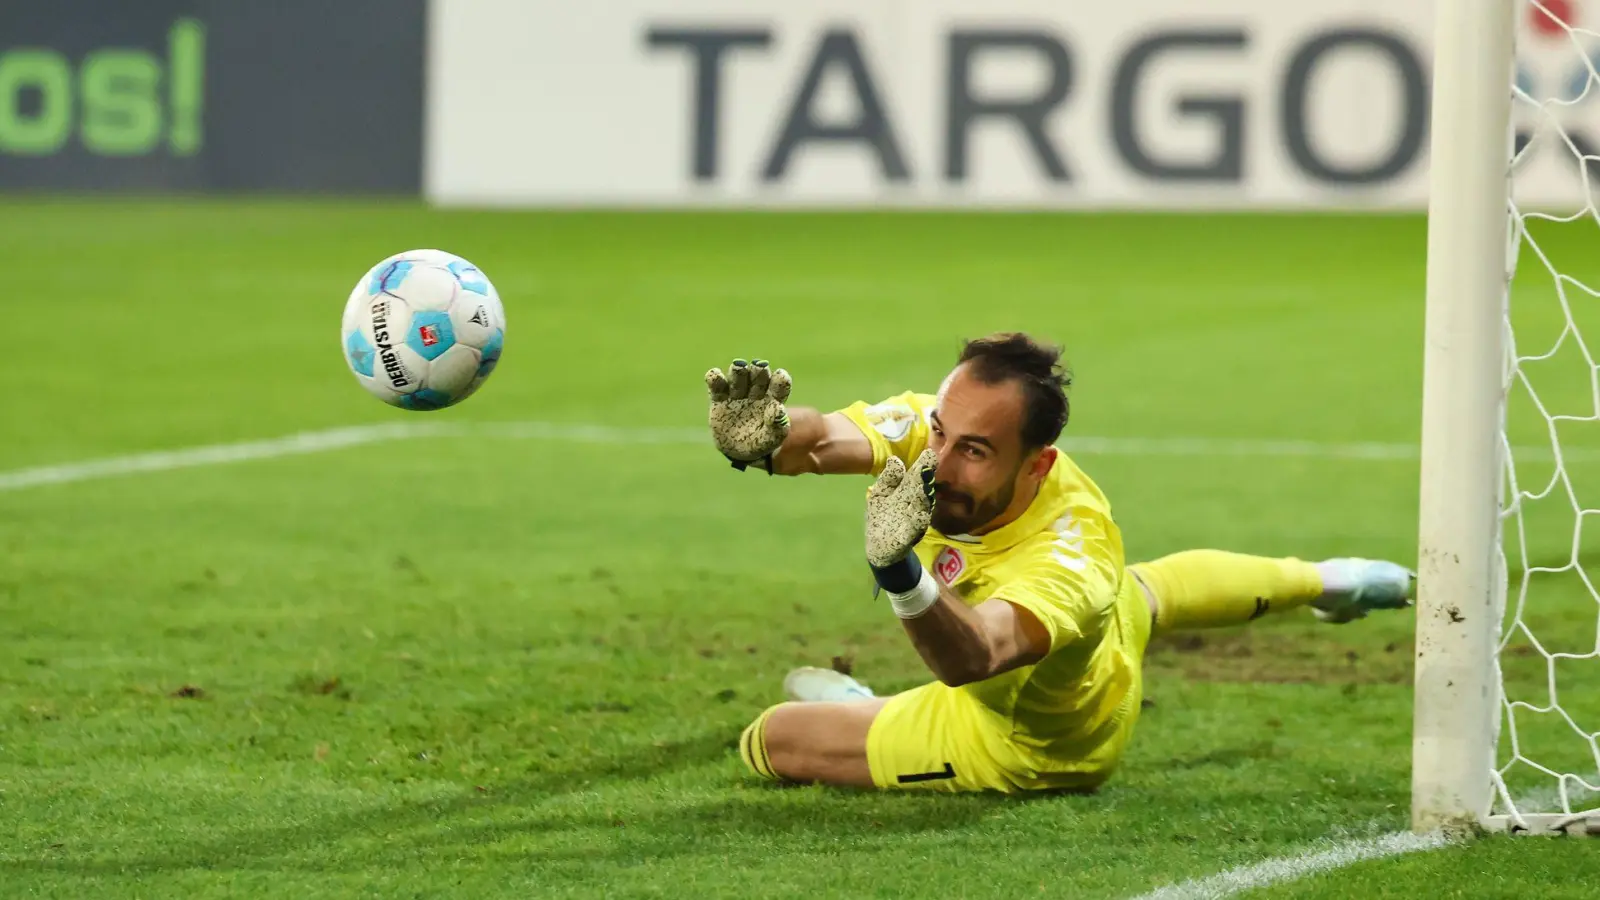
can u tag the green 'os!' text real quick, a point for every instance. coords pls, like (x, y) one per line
(117, 101)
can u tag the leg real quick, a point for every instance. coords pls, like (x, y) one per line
(1213, 588)
(812, 742)
(821, 738)
(938, 738)
(928, 738)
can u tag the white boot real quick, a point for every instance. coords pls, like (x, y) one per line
(809, 684)
(1355, 587)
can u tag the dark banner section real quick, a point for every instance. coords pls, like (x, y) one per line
(292, 95)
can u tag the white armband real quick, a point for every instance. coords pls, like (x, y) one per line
(918, 600)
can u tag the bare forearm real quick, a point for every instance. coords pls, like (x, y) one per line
(961, 644)
(797, 456)
(951, 640)
(822, 444)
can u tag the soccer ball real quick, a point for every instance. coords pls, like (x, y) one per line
(423, 329)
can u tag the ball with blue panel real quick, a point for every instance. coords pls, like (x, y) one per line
(422, 330)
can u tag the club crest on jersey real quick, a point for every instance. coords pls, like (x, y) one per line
(949, 565)
(892, 420)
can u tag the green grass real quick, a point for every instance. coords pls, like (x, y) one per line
(498, 667)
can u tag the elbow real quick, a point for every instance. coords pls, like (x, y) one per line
(957, 679)
(981, 665)
(969, 671)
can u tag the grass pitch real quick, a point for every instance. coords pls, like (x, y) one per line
(483, 665)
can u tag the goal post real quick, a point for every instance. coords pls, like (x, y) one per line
(1460, 588)
(1506, 724)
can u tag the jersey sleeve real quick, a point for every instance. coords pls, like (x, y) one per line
(1068, 593)
(897, 426)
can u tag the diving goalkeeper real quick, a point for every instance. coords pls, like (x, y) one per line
(1002, 562)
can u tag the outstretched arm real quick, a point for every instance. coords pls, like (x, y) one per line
(822, 444)
(752, 427)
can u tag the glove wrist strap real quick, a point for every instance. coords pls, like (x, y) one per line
(899, 576)
(912, 591)
(764, 463)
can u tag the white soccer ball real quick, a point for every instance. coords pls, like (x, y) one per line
(423, 329)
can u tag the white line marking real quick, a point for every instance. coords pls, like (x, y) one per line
(307, 442)
(1224, 448)
(1291, 868)
(339, 438)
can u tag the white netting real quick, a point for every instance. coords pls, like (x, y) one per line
(1548, 756)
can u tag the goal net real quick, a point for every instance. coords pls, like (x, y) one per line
(1547, 764)
(1508, 630)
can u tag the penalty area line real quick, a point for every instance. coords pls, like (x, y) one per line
(354, 436)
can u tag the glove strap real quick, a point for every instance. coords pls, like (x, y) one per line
(764, 463)
(912, 591)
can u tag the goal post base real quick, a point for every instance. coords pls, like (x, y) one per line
(1455, 828)
(1586, 824)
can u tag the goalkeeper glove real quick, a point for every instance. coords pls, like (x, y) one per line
(748, 421)
(899, 511)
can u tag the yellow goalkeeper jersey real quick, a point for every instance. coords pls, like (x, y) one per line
(1062, 560)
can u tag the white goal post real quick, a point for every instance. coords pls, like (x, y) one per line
(1466, 722)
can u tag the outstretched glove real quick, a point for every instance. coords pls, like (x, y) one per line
(748, 421)
(899, 511)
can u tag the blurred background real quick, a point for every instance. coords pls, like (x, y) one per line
(1249, 104)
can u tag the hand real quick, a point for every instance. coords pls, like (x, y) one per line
(748, 421)
(899, 509)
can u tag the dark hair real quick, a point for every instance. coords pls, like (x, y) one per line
(1013, 356)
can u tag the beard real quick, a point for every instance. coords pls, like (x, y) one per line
(955, 512)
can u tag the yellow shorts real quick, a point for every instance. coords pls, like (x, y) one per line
(939, 738)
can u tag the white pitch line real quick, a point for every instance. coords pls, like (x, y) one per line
(1291, 868)
(1215, 447)
(213, 454)
(339, 438)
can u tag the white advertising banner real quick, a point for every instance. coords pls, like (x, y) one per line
(962, 103)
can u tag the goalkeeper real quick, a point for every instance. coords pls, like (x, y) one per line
(1003, 564)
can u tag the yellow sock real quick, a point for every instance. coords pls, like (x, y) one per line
(1214, 588)
(753, 747)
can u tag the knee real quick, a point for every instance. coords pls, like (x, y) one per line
(811, 742)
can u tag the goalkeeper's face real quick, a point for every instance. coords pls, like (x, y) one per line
(986, 476)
